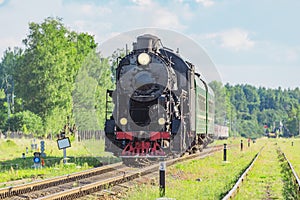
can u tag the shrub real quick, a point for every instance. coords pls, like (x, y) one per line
(25, 121)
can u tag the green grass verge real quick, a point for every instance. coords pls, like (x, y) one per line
(265, 180)
(82, 155)
(291, 152)
(291, 148)
(217, 177)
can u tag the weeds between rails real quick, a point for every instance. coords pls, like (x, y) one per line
(267, 179)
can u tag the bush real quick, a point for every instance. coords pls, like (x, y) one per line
(25, 121)
(250, 129)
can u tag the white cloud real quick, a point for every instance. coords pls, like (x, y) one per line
(142, 2)
(235, 39)
(101, 20)
(186, 12)
(291, 55)
(166, 19)
(89, 9)
(152, 14)
(86, 10)
(206, 3)
(91, 27)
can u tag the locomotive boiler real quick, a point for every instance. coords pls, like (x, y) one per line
(161, 106)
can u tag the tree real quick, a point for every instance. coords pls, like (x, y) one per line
(95, 77)
(250, 129)
(7, 99)
(114, 61)
(252, 98)
(2, 94)
(221, 116)
(3, 114)
(46, 74)
(25, 121)
(89, 96)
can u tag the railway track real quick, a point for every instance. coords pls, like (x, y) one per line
(20, 190)
(83, 183)
(276, 163)
(239, 182)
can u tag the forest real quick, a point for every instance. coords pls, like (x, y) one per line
(59, 78)
(252, 112)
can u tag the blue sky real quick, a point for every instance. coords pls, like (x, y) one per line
(255, 42)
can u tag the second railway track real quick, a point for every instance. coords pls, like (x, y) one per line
(270, 175)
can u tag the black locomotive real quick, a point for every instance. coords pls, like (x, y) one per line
(161, 105)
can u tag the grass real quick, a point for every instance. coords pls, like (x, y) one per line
(42, 173)
(271, 177)
(10, 149)
(291, 148)
(265, 180)
(216, 176)
(82, 155)
(291, 152)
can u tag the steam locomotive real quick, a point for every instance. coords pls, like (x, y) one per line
(161, 105)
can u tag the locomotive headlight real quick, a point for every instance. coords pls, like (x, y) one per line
(161, 121)
(123, 121)
(144, 59)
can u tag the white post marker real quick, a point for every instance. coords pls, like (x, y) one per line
(162, 178)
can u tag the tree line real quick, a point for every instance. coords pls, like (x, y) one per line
(59, 78)
(252, 112)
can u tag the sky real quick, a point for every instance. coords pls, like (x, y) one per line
(253, 42)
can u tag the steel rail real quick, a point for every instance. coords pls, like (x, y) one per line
(293, 170)
(107, 183)
(38, 185)
(235, 188)
(237, 185)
